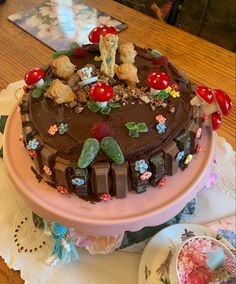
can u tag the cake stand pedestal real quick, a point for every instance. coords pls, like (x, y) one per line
(154, 207)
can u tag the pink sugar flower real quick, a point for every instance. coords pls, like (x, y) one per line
(145, 176)
(47, 170)
(160, 118)
(53, 129)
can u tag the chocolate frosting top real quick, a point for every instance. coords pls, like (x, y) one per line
(44, 113)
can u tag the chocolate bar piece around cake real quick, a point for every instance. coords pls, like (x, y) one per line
(121, 179)
(61, 172)
(170, 152)
(100, 179)
(193, 130)
(157, 164)
(138, 185)
(183, 142)
(79, 180)
(48, 155)
(198, 115)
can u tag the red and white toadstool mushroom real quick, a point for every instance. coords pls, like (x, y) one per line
(101, 93)
(158, 81)
(216, 120)
(94, 35)
(203, 96)
(221, 103)
(34, 77)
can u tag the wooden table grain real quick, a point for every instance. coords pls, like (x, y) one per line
(204, 62)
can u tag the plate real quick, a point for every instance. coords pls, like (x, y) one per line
(156, 257)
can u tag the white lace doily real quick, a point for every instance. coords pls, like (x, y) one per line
(25, 248)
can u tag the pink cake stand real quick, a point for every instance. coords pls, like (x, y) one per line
(154, 207)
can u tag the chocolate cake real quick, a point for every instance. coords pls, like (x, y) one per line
(97, 151)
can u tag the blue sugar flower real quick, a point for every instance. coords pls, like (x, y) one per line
(179, 156)
(141, 166)
(77, 181)
(62, 128)
(161, 128)
(32, 144)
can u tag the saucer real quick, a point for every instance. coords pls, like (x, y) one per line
(156, 257)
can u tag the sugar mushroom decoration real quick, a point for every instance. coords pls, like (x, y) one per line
(158, 81)
(101, 93)
(221, 103)
(94, 35)
(203, 96)
(215, 120)
(34, 77)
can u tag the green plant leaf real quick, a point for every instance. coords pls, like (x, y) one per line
(131, 125)
(142, 127)
(134, 133)
(45, 67)
(74, 44)
(47, 84)
(93, 106)
(37, 93)
(113, 104)
(105, 110)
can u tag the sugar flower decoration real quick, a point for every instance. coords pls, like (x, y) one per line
(33, 144)
(188, 159)
(53, 129)
(160, 118)
(161, 128)
(175, 94)
(141, 166)
(47, 170)
(77, 181)
(63, 128)
(145, 176)
(179, 156)
(61, 189)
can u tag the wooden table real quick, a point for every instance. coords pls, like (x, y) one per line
(204, 62)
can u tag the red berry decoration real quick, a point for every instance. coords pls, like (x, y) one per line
(161, 182)
(161, 60)
(100, 130)
(79, 52)
(105, 197)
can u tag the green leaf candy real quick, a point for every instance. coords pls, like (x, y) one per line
(131, 125)
(134, 133)
(111, 148)
(142, 127)
(93, 106)
(89, 152)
